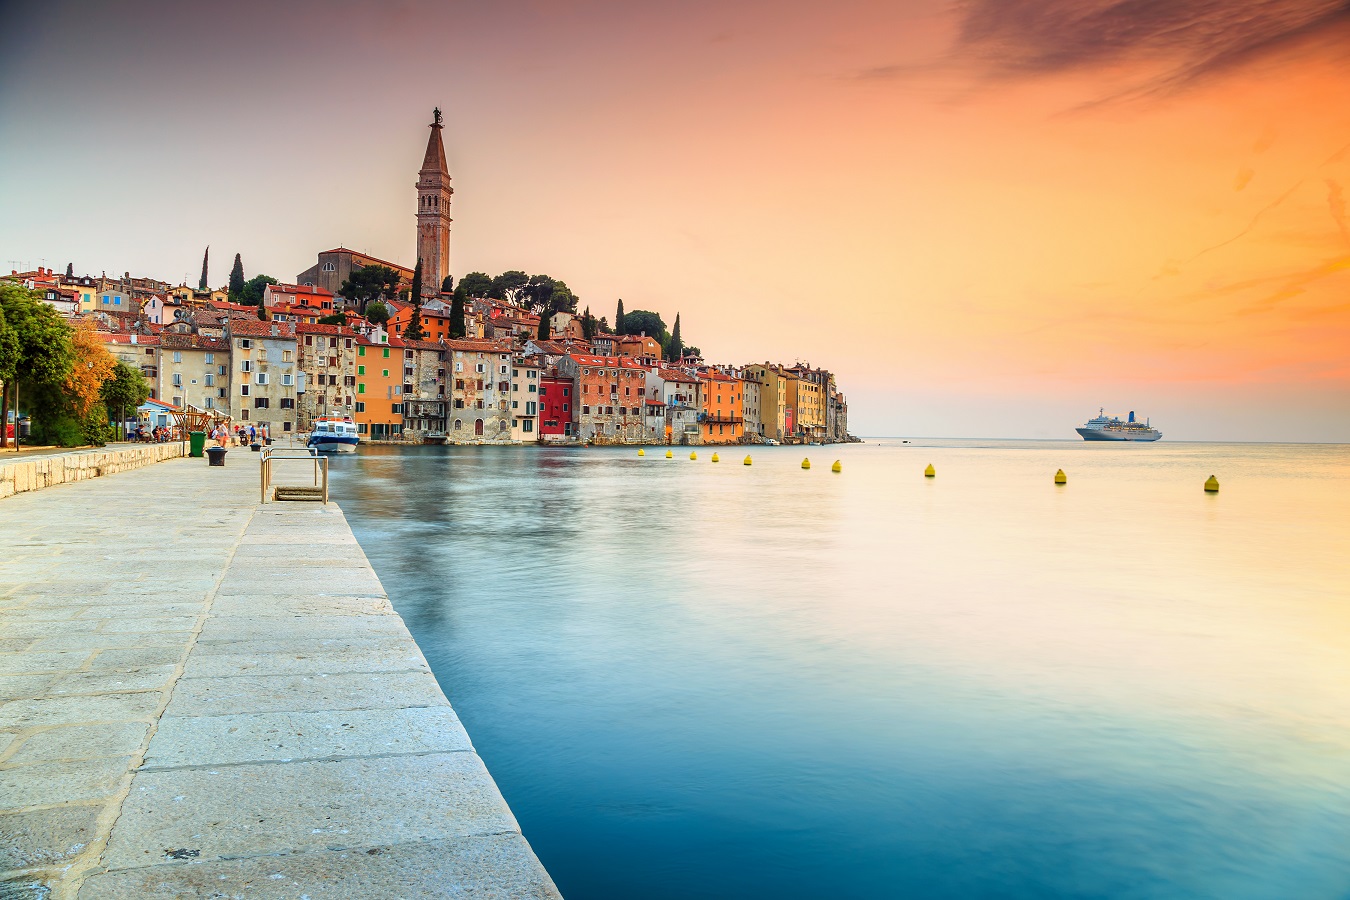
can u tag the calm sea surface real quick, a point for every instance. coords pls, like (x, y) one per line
(698, 679)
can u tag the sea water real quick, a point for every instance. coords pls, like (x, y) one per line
(699, 679)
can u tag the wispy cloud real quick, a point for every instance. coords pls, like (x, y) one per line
(1186, 40)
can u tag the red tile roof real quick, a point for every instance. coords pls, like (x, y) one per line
(259, 328)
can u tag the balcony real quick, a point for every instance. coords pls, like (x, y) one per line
(720, 419)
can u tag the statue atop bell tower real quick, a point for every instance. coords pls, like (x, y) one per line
(433, 211)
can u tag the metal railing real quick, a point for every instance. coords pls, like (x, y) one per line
(281, 454)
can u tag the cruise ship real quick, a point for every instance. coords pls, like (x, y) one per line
(1109, 428)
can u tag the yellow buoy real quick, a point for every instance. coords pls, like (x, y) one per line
(836, 467)
(747, 460)
(714, 459)
(806, 464)
(670, 454)
(693, 454)
(1060, 477)
(930, 471)
(641, 452)
(1212, 485)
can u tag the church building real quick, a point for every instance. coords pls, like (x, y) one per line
(433, 211)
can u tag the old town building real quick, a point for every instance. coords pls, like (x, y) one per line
(480, 391)
(328, 361)
(264, 374)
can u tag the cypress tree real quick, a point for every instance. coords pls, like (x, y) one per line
(70, 270)
(447, 284)
(675, 346)
(543, 326)
(457, 315)
(201, 284)
(618, 318)
(237, 279)
(417, 283)
(587, 324)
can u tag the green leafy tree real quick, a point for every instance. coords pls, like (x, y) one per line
(376, 312)
(124, 391)
(36, 359)
(693, 351)
(201, 282)
(263, 313)
(509, 286)
(475, 284)
(675, 344)
(447, 284)
(237, 280)
(618, 318)
(252, 292)
(340, 319)
(562, 299)
(641, 321)
(369, 284)
(9, 370)
(457, 326)
(604, 326)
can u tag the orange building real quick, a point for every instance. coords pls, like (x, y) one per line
(723, 419)
(435, 323)
(379, 388)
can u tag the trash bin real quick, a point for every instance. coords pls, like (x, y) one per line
(196, 441)
(216, 455)
(255, 446)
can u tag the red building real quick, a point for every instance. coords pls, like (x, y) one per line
(557, 412)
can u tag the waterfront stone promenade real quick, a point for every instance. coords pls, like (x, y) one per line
(202, 696)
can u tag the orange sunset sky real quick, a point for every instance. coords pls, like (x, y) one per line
(989, 218)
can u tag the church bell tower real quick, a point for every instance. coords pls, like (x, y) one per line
(433, 211)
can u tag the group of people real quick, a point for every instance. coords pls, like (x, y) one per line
(240, 435)
(160, 434)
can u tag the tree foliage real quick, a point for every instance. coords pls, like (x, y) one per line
(70, 270)
(510, 286)
(252, 292)
(339, 318)
(588, 324)
(475, 284)
(457, 327)
(447, 284)
(369, 284)
(675, 343)
(237, 280)
(543, 328)
(376, 312)
(125, 389)
(201, 282)
(641, 321)
(618, 318)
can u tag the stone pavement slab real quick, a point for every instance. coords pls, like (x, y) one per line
(202, 696)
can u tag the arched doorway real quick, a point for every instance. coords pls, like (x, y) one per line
(478, 427)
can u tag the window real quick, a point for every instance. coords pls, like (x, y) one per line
(309, 340)
(243, 390)
(360, 388)
(222, 370)
(459, 404)
(288, 403)
(260, 378)
(360, 406)
(398, 408)
(529, 425)
(585, 410)
(245, 344)
(533, 388)
(459, 367)
(287, 379)
(285, 426)
(386, 352)
(384, 372)
(221, 394)
(515, 404)
(177, 356)
(209, 403)
(210, 380)
(329, 267)
(348, 380)
(177, 382)
(360, 370)
(347, 343)
(481, 368)
(243, 414)
(285, 356)
(246, 365)
(261, 403)
(565, 409)
(360, 351)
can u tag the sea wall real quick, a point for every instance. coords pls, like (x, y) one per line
(20, 474)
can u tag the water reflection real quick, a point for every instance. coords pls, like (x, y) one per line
(698, 679)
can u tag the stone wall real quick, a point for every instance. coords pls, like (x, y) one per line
(19, 474)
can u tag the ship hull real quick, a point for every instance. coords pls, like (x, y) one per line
(334, 443)
(1101, 434)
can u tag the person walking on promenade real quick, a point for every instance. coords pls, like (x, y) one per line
(252, 435)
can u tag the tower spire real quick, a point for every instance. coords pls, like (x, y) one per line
(433, 208)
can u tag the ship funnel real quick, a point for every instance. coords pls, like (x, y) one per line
(1131, 416)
